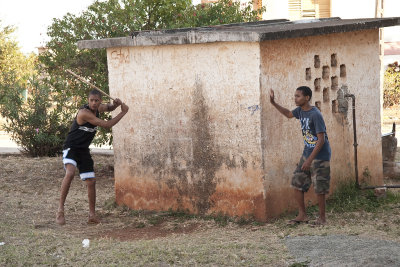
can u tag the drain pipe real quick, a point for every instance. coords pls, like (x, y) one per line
(352, 96)
(382, 186)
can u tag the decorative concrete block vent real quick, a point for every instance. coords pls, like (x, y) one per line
(334, 60)
(325, 72)
(317, 84)
(317, 61)
(343, 71)
(334, 83)
(308, 74)
(201, 135)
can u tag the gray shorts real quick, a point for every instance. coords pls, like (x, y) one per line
(319, 174)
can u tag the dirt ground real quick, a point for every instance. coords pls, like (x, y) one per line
(29, 192)
(390, 116)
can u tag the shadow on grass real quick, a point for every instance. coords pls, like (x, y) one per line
(346, 198)
(158, 217)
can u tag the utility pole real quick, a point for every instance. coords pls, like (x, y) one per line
(379, 13)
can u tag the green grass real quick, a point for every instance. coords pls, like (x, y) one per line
(348, 197)
(300, 264)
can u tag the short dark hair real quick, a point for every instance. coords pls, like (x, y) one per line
(95, 92)
(305, 90)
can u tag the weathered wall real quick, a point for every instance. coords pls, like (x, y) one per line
(284, 64)
(196, 137)
(191, 139)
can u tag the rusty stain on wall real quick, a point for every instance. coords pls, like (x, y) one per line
(195, 146)
(206, 158)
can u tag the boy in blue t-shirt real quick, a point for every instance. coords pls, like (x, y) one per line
(314, 164)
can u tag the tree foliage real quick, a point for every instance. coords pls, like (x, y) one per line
(15, 67)
(36, 124)
(391, 85)
(221, 12)
(32, 111)
(116, 18)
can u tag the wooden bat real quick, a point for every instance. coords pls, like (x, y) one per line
(88, 83)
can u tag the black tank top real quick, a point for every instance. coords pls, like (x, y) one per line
(80, 136)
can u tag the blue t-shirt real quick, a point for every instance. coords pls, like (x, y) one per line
(312, 123)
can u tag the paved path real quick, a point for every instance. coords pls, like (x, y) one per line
(341, 250)
(7, 146)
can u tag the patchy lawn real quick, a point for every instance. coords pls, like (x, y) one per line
(390, 116)
(29, 192)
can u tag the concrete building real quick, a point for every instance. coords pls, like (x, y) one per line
(201, 134)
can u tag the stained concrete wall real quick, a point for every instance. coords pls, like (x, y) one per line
(202, 136)
(192, 137)
(284, 64)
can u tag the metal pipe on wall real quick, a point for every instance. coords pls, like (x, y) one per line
(352, 96)
(382, 186)
(355, 136)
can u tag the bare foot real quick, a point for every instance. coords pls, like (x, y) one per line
(60, 218)
(93, 220)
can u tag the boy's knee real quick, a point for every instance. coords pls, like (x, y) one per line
(91, 181)
(69, 175)
(69, 171)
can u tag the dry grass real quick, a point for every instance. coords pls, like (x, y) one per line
(29, 189)
(390, 116)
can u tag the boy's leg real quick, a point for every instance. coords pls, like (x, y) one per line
(86, 172)
(321, 206)
(65, 185)
(91, 185)
(299, 197)
(301, 182)
(321, 178)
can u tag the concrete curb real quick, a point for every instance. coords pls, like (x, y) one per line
(10, 151)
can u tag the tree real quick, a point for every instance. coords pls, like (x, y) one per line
(36, 124)
(391, 85)
(116, 18)
(33, 111)
(14, 65)
(221, 12)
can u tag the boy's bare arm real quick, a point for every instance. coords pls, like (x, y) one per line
(87, 116)
(287, 113)
(110, 107)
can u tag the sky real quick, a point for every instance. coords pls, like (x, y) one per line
(32, 17)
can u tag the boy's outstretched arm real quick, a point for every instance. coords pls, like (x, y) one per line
(88, 116)
(287, 113)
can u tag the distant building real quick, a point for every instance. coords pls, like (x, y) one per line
(345, 9)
